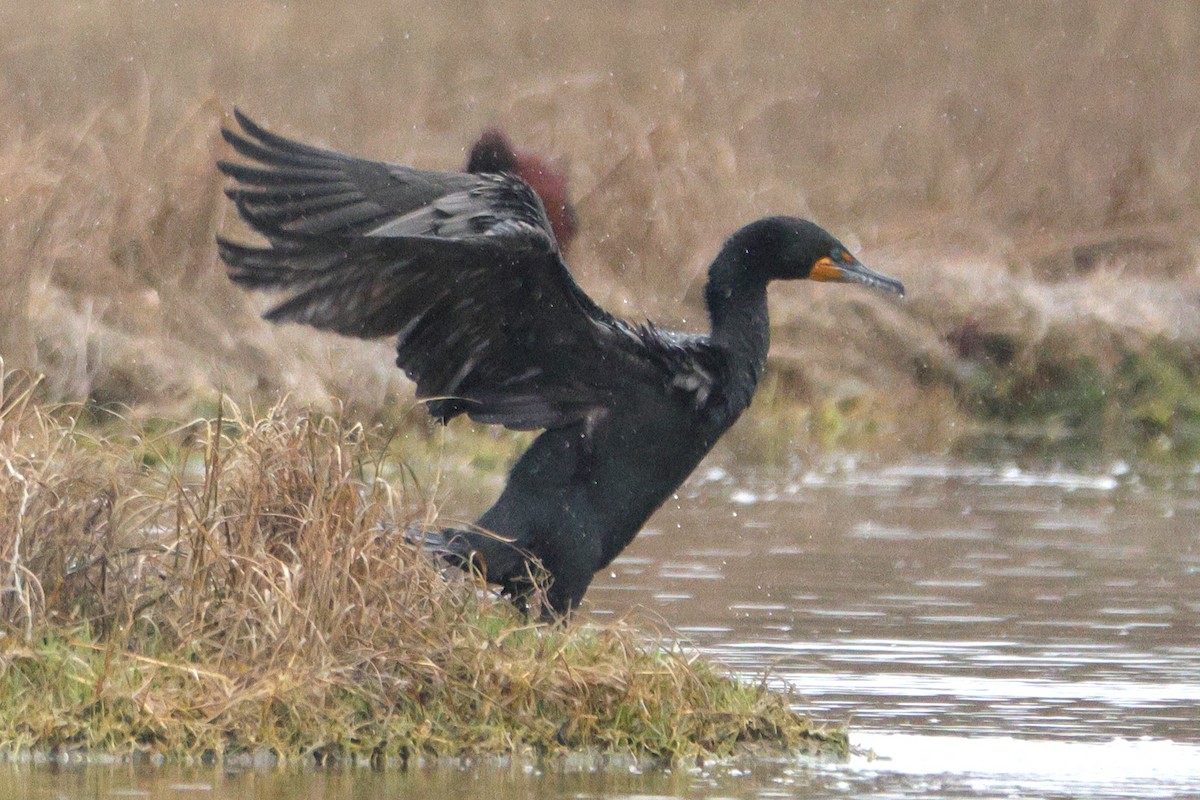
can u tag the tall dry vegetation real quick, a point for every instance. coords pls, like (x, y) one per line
(240, 584)
(976, 151)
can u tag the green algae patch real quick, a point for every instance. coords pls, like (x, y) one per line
(1139, 397)
(241, 585)
(1053, 389)
(1158, 388)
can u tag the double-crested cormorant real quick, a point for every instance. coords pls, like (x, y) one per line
(465, 271)
(493, 152)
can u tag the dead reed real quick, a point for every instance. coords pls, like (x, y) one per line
(237, 584)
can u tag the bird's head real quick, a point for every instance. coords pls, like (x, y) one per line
(495, 152)
(790, 248)
(492, 152)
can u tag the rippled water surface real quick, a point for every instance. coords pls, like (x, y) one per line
(942, 600)
(1007, 629)
(986, 632)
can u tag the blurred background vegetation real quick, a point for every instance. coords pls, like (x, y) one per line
(1030, 170)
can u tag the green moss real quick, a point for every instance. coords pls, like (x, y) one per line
(67, 690)
(1049, 388)
(1148, 402)
(1158, 390)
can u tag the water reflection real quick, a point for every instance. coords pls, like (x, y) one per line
(1005, 766)
(914, 767)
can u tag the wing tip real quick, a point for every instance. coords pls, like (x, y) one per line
(248, 125)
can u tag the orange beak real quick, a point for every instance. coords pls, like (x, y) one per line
(826, 269)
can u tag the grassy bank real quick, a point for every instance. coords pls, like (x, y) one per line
(236, 584)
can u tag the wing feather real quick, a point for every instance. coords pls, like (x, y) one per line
(463, 269)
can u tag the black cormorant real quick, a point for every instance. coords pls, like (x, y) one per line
(465, 271)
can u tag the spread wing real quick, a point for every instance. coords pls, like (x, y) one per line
(463, 269)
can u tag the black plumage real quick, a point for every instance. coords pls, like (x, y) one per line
(465, 271)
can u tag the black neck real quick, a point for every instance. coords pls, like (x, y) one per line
(737, 305)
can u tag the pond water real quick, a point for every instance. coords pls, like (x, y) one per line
(985, 632)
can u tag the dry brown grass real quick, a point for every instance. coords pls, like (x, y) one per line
(238, 584)
(959, 147)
